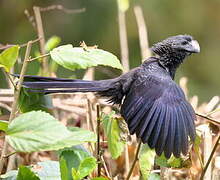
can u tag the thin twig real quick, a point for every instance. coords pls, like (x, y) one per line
(210, 158)
(10, 78)
(135, 160)
(30, 18)
(142, 31)
(15, 102)
(40, 32)
(105, 168)
(98, 141)
(60, 7)
(10, 154)
(208, 118)
(123, 40)
(44, 55)
(21, 45)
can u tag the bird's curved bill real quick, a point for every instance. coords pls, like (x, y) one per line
(195, 47)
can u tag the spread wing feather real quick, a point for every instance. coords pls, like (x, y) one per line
(159, 114)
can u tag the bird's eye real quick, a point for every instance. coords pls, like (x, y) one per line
(184, 42)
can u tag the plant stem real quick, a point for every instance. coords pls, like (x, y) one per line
(45, 55)
(15, 102)
(135, 160)
(10, 79)
(98, 141)
(210, 158)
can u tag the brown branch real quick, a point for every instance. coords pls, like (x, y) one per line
(210, 158)
(142, 31)
(42, 56)
(60, 7)
(30, 18)
(15, 102)
(135, 160)
(123, 40)
(40, 32)
(98, 141)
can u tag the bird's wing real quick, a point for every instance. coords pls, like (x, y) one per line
(157, 111)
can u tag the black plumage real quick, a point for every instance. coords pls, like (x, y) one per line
(152, 104)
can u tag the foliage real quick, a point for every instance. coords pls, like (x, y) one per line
(8, 57)
(80, 58)
(24, 173)
(3, 125)
(146, 160)
(112, 132)
(39, 131)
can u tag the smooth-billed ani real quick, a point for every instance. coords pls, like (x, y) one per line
(152, 104)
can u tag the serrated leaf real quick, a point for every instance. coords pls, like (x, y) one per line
(146, 160)
(24, 173)
(3, 125)
(53, 42)
(87, 166)
(161, 161)
(30, 101)
(63, 169)
(39, 131)
(78, 58)
(154, 176)
(8, 57)
(112, 131)
(123, 5)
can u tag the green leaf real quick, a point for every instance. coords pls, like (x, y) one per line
(161, 161)
(39, 131)
(73, 157)
(75, 174)
(78, 58)
(63, 169)
(8, 57)
(24, 173)
(171, 162)
(112, 131)
(53, 42)
(3, 125)
(146, 160)
(29, 101)
(175, 162)
(154, 176)
(99, 178)
(86, 167)
(123, 5)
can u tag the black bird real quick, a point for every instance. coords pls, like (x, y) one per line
(152, 104)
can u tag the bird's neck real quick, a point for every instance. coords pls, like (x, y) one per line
(171, 61)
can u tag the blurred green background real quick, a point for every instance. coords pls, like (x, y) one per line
(99, 25)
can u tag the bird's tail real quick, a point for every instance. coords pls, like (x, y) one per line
(49, 85)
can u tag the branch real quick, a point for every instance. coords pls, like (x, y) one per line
(98, 141)
(44, 55)
(15, 102)
(210, 158)
(123, 40)
(40, 32)
(135, 160)
(60, 7)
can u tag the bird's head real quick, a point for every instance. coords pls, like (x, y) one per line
(173, 50)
